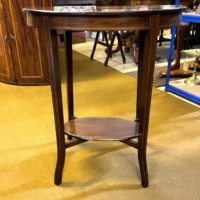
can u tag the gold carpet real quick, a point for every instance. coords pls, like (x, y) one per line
(96, 170)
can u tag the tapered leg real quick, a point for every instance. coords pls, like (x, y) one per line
(69, 76)
(54, 70)
(59, 166)
(146, 64)
(143, 164)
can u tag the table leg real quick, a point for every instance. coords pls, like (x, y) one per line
(54, 70)
(69, 77)
(146, 63)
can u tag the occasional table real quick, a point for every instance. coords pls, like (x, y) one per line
(146, 19)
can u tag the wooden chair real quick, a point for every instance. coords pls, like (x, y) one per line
(114, 35)
(109, 46)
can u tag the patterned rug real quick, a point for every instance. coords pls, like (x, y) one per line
(157, 82)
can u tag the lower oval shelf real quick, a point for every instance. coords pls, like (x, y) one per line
(102, 129)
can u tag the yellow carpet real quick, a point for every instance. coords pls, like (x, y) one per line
(96, 170)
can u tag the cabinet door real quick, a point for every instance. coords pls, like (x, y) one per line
(29, 55)
(6, 65)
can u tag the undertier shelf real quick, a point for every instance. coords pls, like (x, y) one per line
(106, 129)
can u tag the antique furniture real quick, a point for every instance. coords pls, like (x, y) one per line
(106, 36)
(128, 40)
(109, 45)
(79, 36)
(23, 59)
(74, 2)
(186, 17)
(146, 19)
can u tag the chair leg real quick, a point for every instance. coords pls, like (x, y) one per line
(108, 46)
(105, 36)
(59, 166)
(109, 50)
(95, 45)
(120, 47)
(135, 52)
(143, 164)
(161, 37)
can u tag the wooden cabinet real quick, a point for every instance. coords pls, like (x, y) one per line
(6, 64)
(23, 58)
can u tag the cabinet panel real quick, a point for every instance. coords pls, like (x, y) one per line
(29, 56)
(6, 65)
(30, 62)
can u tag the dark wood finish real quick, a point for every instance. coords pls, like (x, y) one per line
(23, 59)
(74, 2)
(74, 142)
(109, 46)
(148, 20)
(129, 39)
(102, 129)
(103, 41)
(6, 63)
(69, 69)
(131, 143)
(77, 37)
(110, 51)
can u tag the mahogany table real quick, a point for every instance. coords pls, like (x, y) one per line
(146, 19)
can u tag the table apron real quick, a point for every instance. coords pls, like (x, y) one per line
(98, 23)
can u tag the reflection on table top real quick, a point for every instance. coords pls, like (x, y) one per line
(106, 9)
